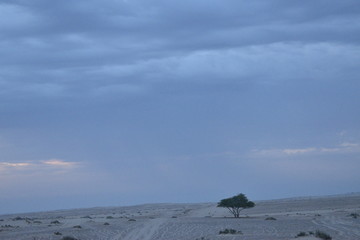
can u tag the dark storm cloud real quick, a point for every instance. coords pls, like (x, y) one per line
(64, 46)
(95, 49)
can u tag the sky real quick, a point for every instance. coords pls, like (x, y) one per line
(111, 103)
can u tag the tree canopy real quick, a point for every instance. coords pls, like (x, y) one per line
(236, 203)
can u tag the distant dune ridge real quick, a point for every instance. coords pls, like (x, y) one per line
(337, 216)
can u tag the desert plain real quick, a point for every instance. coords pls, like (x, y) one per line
(269, 220)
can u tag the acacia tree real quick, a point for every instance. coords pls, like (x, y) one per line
(236, 203)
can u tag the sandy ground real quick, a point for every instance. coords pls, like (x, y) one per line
(192, 221)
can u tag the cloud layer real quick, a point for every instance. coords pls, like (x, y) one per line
(71, 49)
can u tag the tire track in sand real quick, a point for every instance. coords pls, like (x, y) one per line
(146, 232)
(344, 228)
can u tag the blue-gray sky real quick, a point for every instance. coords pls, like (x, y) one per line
(122, 102)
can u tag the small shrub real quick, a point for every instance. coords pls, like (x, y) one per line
(7, 226)
(38, 222)
(18, 218)
(68, 238)
(109, 217)
(106, 223)
(322, 235)
(301, 234)
(57, 233)
(87, 217)
(77, 226)
(131, 220)
(270, 218)
(230, 231)
(354, 215)
(55, 222)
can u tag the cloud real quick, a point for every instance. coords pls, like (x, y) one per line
(16, 17)
(343, 148)
(14, 165)
(310, 169)
(298, 151)
(36, 166)
(59, 163)
(312, 164)
(349, 145)
(121, 47)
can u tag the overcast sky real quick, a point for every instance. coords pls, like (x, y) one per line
(111, 102)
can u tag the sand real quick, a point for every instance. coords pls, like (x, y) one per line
(201, 221)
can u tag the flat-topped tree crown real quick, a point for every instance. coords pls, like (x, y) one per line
(236, 203)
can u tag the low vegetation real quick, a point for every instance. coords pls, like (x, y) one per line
(9, 226)
(322, 235)
(318, 234)
(229, 231)
(302, 234)
(68, 238)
